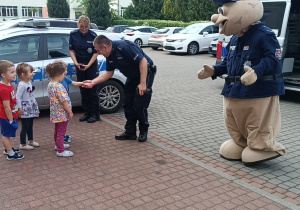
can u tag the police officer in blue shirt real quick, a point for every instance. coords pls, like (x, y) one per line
(84, 55)
(139, 70)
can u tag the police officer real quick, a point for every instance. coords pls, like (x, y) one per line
(139, 70)
(84, 55)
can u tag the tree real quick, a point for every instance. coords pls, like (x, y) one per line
(144, 9)
(58, 8)
(168, 10)
(98, 12)
(181, 10)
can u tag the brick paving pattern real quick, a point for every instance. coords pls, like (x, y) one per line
(178, 168)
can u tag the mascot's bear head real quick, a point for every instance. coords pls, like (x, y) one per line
(236, 16)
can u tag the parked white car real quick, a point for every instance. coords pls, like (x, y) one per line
(159, 36)
(193, 39)
(139, 34)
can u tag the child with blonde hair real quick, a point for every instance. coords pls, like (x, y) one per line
(27, 105)
(8, 109)
(60, 105)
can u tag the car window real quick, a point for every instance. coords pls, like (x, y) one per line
(208, 29)
(152, 30)
(20, 49)
(122, 28)
(273, 15)
(145, 30)
(216, 29)
(58, 46)
(176, 30)
(110, 29)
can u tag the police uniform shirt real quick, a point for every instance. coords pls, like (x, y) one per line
(126, 57)
(82, 44)
(259, 49)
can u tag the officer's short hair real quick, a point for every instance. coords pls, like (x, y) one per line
(84, 20)
(102, 40)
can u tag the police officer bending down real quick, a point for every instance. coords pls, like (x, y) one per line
(139, 70)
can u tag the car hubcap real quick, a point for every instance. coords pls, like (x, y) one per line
(193, 49)
(109, 97)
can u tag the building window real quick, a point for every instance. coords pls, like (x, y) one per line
(122, 11)
(9, 12)
(31, 11)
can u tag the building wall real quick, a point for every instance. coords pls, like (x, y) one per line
(17, 6)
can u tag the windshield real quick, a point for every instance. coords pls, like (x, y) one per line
(273, 15)
(128, 30)
(191, 29)
(110, 29)
(161, 31)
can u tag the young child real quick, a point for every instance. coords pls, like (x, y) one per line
(8, 109)
(60, 105)
(27, 105)
(66, 82)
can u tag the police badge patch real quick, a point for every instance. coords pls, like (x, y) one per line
(278, 54)
(89, 50)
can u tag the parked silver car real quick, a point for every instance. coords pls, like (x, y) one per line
(41, 46)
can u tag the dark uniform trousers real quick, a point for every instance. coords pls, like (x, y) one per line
(135, 106)
(89, 97)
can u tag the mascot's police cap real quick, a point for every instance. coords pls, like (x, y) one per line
(222, 2)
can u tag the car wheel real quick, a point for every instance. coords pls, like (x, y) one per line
(154, 48)
(193, 48)
(139, 42)
(110, 95)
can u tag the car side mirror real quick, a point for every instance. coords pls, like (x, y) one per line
(205, 33)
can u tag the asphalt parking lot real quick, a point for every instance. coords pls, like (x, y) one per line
(179, 167)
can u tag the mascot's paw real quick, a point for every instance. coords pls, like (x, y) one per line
(249, 77)
(207, 71)
(231, 151)
(251, 156)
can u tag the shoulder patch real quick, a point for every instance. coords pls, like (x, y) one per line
(75, 31)
(93, 33)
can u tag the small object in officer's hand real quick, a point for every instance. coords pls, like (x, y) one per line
(138, 91)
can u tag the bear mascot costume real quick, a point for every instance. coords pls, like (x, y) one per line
(253, 85)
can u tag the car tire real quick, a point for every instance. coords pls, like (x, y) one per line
(139, 42)
(154, 48)
(110, 94)
(193, 48)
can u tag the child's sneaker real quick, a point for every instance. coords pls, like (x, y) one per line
(66, 146)
(26, 147)
(66, 153)
(33, 143)
(16, 156)
(67, 139)
(15, 150)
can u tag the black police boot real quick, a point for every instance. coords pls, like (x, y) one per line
(125, 136)
(93, 118)
(85, 117)
(143, 136)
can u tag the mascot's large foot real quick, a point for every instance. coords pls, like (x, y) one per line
(231, 151)
(251, 156)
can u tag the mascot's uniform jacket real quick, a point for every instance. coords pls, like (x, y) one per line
(84, 50)
(126, 57)
(252, 113)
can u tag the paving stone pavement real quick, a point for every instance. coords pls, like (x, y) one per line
(177, 168)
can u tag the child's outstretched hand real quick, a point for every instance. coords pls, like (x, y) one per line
(20, 112)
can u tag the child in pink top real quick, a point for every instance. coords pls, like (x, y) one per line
(60, 105)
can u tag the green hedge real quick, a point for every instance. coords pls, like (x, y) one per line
(154, 23)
